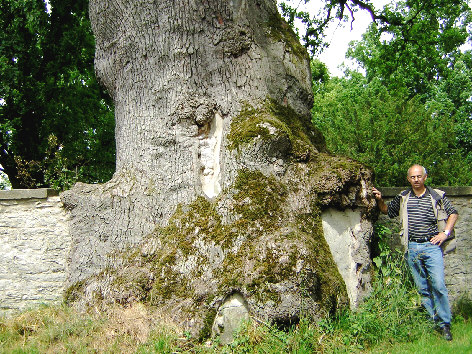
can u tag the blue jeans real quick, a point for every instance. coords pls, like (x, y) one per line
(427, 267)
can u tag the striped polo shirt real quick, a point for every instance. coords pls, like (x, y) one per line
(421, 220)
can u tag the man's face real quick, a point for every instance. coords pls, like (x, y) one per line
(416, 177)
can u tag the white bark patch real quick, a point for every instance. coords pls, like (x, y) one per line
(210, 146)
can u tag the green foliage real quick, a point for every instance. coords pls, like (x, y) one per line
(54, 169)
(390, 313)
(54, 328)
(413, 106)
(48, 87)
(315, 25)
(438, 76)
(4, 182)
(388, 130)
(417, 55)
(257, 337)
(57, 172)
(463, 306)
(319, 72)
(426, 28)
(456, 91)
(161, 341)
(422, 64)
(385, 254)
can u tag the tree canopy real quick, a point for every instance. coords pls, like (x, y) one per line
(410, 22)
(389, 131)
(414, 103)
(56, 123)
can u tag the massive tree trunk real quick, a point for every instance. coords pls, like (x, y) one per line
(215, 152)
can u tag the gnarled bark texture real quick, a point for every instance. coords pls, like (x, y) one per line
(221, 180)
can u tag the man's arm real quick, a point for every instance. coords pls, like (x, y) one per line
(451, 221)
(441, 237)
(380, 202)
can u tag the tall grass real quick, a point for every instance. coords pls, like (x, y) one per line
(389, 321)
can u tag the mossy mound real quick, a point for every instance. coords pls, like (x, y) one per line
(278, 125)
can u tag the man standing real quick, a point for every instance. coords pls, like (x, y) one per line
(420, 209)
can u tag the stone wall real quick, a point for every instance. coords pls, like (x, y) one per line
(35, 242)
(458, 265)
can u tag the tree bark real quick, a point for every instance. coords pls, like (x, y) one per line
(174, 68)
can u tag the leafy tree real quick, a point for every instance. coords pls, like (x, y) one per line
(414, 103)
(456, 91)
(422, 24)
(430, 68)
(56, 123)
(417, 64)
(389, 131)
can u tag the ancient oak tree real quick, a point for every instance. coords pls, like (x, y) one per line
(221, 180)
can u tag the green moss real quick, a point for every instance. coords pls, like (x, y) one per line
(249, 124)
(136, 282)
(73, 292)
(280, 31)
(333, 176)
(258, 202)
(328, 286)
(301, 127)
(259, 198)
(168, 285)
(271, 271)
(207, 324)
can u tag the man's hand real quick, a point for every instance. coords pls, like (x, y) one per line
(439, 239)
(380, 202)
(376, 193)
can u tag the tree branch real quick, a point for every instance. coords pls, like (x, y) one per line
(375, 16)
(352, 15)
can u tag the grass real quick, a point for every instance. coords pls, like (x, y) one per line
(372, 329)
(389, 321)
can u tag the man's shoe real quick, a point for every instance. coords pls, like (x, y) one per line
(446, 332)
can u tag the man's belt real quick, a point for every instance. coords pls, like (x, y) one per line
(420, 239)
